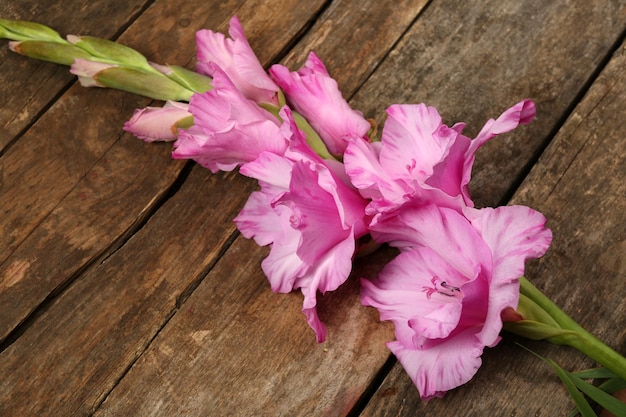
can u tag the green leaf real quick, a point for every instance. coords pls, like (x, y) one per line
(535, 330)
(581, 403)
(583, 407)
(607, 401)
(600, 372)
(613, 385)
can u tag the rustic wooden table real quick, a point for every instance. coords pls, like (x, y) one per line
(126, 290)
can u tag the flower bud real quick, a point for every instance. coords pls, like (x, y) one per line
(109, 51)
(59, 53)
(133, 80)
(20, 30)
(159, 123)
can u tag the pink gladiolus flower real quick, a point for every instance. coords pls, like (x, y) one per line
(314, 94)
(446, 291)
(157, 123)
(309, 214)
(237, 59)
(228, 129)
(421, 159)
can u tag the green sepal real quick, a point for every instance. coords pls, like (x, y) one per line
(59, 53)
(184, 123)
(149, 84)
(191, 80)
(535, 330)
(530, 310)
(314, 140)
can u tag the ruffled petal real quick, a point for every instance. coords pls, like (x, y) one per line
(225, 150)
(442, 229)
(521, 113)
(327, 274)
(237, 59)
(442, 367)
(414, 141)
(514, 234)
(258, 220)
(316, 96)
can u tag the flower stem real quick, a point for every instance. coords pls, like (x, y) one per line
(577, 337)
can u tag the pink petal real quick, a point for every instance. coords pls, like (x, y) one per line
(413, 142)
(521, 113)
(237, 59)
(369, 176)
(442, 229)
(514, 234)
(216, 108)
(229, 130)
(87, 70)
(415, 291)
(157, 123)
(327, 274)
(271, 170)
(231, 147)
(315, 95)
(440, 368)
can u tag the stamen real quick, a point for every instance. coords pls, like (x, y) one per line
(443, 288)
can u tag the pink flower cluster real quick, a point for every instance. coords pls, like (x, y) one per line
(458, 267)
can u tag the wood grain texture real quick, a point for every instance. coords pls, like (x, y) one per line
(352, 39)
(234, 349)
(83, 343)
(38, 83)
(579, 185)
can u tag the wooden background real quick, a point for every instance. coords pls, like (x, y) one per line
(125, 289)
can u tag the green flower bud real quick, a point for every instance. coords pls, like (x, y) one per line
(19, 30)
(59, 53)
(104, 50)
(144, 83)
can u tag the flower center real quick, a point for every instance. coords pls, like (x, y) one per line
(442, 287)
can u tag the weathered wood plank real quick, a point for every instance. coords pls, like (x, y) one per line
(71, 188)
(73, 355)
(236, 349)
(64, 159)
(579, 184)
(473, 59)
(39, 83)
(353, 39)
